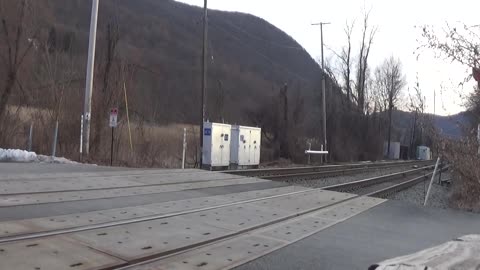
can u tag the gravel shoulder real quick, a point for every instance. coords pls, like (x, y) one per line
(439, 195)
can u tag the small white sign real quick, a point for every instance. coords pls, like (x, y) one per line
(114, 118)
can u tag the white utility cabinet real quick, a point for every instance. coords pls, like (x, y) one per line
(394, 150)
(245, 146)
(424, 153)
(216, 144)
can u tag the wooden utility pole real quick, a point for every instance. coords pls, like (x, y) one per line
(284, 148)
(204, 76)
(324, 108)
(390, 109)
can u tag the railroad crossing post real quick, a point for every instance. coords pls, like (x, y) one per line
(30, 138)
(184, 147)
(81, 138)
(111, 150)
(55, 137)
(113, 124)
(309, 148)
(431, 181)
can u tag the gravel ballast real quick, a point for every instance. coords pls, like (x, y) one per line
(319, 183)
(439, 195)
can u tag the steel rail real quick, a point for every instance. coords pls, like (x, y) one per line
(355, 185)
(29, 236)
(166, 254)
(401, 186)
(311, 169)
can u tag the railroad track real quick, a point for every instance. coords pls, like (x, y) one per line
(391, 183)
(398, 183)
(352, 186)
(316, 172)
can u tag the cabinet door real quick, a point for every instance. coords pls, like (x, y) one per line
(226, 146)
(256, 144)
(217, 141)
(243, 147)
(251, 156)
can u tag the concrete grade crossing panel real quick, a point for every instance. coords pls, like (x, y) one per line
(223, 255)
(12, 200)
(297, 229)
(113, 246)
(239, 217)
(53, 254)
(190, 177)
(143, 239)
(134, 241)
(305, 201)
(38, 186)
(91, 183)
(301, 227)
(266, 192)
(233, 252)
(11, 228)
(82, 175)
(14, 228)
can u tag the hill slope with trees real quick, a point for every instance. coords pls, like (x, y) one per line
(257, 75)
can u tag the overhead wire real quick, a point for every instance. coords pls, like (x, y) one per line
(272, 62)
(265, 40)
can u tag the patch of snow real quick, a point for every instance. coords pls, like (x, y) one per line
(461, 253)
(16, 155)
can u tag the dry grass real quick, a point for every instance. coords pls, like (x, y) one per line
(153, 146)
(26, 114)
(156, 146)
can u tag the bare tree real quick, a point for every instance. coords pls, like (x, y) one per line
(389, 81)
(111, 71)
(17, 41)
(345, 59)
(416, 105)
(57, 69)
(368, 35)
(460, 44)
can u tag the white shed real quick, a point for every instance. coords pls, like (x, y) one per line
(394, 150)
(216, 144)
(424, 153)
(245, 146)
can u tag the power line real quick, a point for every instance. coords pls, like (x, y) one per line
(272, 62)
(299, 48)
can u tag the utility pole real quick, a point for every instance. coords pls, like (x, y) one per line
(89, 81)
(390, 109)
(204, 76)
(324, 116)
(389, 130)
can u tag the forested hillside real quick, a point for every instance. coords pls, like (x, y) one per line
(257, 75)
(248, 57)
